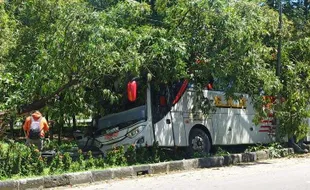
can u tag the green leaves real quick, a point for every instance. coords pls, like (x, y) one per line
(77, 56)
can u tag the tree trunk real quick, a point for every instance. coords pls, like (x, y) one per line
(74, 123)
(60, 128)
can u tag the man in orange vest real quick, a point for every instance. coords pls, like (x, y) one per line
(35, 128)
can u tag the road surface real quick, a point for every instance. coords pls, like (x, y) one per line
(276, 174)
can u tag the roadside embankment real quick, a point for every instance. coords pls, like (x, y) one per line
(131, 171)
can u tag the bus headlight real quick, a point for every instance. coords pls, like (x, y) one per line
(134, 132)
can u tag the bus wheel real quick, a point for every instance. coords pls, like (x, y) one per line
(199, 143)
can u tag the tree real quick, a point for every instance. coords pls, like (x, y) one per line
(294, 111)
(63, 48)
(77, 56)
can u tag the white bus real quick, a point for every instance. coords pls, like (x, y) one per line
(167, 115)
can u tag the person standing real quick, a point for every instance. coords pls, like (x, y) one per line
(35, 127)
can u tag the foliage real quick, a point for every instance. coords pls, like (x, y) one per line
(63, 147)
(17, 159)
(67, 161)
(131, 155)
(57, 164)
(293, 111)
(255, 148)
(80, 161)
(116, 157)
(90, 162)
(199, 155)
(221, 152)
(70, 57)
(275, 149)
(7, 38)
(99, 162)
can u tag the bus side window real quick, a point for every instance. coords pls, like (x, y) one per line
(210, 84)
(162, 99)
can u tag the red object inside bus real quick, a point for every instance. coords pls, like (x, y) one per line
(209, 86)
(132, 91)
(162, 101)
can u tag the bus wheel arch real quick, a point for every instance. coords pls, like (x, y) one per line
(199, 141)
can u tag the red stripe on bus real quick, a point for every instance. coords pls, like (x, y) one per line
(181, 92)
(265, 130)
(265, 126)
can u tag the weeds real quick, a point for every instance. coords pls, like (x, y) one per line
(255, 148)
(275, 149)
(221, 152)
(16, 159)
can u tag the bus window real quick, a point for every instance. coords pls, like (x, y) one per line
(163, 97)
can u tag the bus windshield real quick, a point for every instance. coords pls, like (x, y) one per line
(125, 112)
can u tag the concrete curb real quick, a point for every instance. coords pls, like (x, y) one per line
(131, 171)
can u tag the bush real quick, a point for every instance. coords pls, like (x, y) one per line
(116, 157)
(131, 155)
(57, 164)
(90, 162)
(18, 159)
(99, 162)
(67, 161)
(80, 161)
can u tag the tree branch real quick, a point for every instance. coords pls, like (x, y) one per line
(38, 104)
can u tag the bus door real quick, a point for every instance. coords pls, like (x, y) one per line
(168, 108)
(164, 131)
(162, 117)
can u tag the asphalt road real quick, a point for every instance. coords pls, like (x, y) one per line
(276, 174)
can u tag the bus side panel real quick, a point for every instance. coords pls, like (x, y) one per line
(252, 133)
(256, 133)
(224, 126)
(179, 129)
(163, 131)
(235, 125)
(178, 111)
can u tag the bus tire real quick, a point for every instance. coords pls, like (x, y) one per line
(199, 143)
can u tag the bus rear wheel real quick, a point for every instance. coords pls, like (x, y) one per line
(199, 143)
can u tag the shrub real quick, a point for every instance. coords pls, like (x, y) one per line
(131, 155)
(18, 159)
(99, 162)
(67, 161)
(116, 157)
(221, 152)
(155, 152)
(57, 164)
(143, 155)
(90, 162)
(81, 159)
